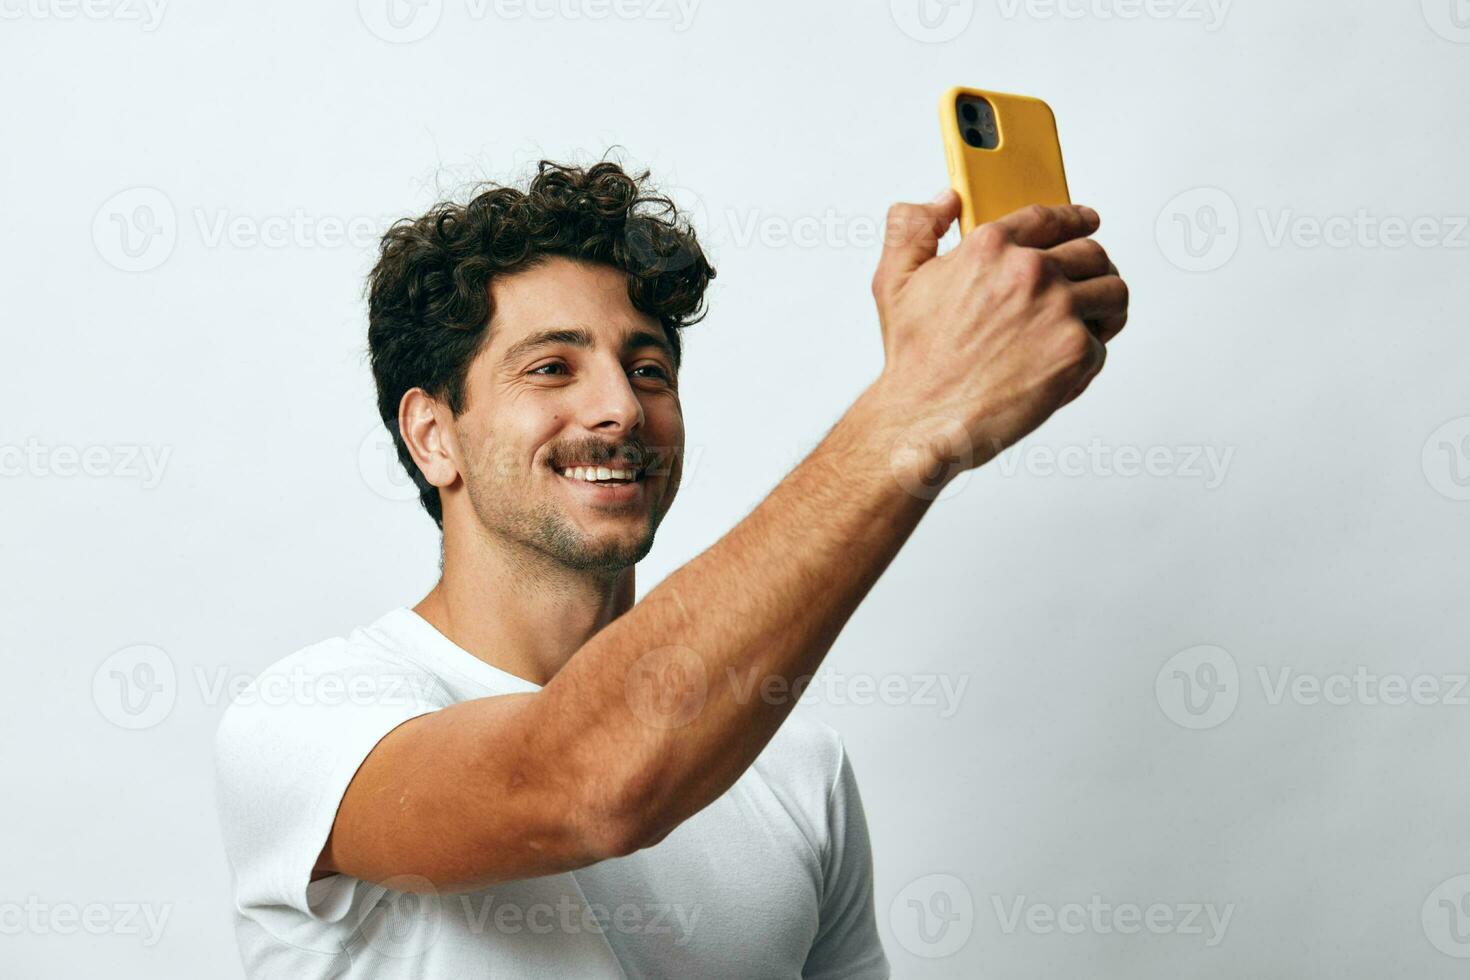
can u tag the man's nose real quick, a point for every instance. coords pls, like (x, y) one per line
(611, 403)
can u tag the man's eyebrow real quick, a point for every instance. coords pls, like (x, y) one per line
(578, 337)
(647, 338)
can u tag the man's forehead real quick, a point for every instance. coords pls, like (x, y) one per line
(564, 301)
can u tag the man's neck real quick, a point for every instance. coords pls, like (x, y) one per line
(522, 615)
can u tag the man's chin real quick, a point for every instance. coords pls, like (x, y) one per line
(613, 557)
(573, 535)
(605, 551)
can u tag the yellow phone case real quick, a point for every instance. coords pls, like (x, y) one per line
(1024, 167)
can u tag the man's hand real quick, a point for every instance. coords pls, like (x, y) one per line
(998, 333)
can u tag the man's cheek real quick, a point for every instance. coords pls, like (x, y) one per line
(675, 475)
(498, 464)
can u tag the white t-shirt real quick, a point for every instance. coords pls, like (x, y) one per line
(772, 880)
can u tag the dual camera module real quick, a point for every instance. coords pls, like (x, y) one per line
(977, 122)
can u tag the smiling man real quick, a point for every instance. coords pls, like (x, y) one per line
(528, 774)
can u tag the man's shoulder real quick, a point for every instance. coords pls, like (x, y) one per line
(360, 667)
(807, 734)
(805, 755)
(801, 771)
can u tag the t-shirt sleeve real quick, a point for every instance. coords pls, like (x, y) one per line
(285, 751)
(847, 944)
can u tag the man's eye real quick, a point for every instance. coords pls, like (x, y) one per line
(556, 367)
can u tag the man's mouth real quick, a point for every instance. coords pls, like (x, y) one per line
(606, 486)
(610, 475)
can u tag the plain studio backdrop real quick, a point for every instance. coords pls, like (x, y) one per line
(1174, 688)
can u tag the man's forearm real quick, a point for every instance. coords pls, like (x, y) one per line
(667, 700)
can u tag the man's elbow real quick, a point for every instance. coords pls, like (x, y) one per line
(623, 816)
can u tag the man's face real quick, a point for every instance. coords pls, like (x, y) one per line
(572, 376)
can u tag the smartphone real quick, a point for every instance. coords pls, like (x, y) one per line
(1003, 153)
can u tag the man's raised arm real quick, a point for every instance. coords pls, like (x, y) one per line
(641, 729)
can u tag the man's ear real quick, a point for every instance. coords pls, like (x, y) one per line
(424, 422)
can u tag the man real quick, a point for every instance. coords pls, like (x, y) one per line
(529, 775)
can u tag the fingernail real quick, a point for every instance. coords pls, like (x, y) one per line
(1090, 214)
(943, 196)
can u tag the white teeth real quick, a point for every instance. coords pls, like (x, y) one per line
(592, 474)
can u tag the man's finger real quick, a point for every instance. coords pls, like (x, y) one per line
(1108, 327)
(1102, 358)
(1100, 299)
(1043, 226)
(1081, 258)
(911, 235)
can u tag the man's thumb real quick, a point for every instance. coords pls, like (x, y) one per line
(911, 235)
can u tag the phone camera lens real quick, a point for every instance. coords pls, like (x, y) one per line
(974, 137)
(969, 111)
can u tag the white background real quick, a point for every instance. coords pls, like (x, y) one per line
(1080, 760)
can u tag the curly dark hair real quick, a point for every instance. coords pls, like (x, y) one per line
(429, 293)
